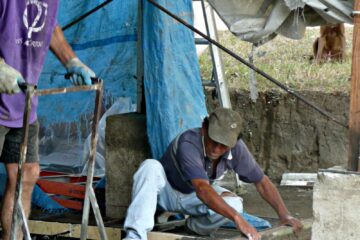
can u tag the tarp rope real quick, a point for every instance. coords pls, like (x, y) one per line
(243, 61)
(77, 20)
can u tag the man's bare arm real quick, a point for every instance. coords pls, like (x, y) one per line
(80, 74)
(60, 47)
(270, 193)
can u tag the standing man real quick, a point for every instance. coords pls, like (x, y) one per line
(27, 29)
(182, 181)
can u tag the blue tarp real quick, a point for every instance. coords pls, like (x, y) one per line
(106, 42)
(173, 90)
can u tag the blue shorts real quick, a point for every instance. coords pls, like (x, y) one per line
(11, 139)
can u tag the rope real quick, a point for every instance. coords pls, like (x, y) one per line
(86, 15)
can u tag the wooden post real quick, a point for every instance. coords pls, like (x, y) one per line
(354, 113)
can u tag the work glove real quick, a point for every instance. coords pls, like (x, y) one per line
(80, 74)
(9, 78)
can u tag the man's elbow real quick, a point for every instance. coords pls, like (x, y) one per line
(263, 183)
(202, 191)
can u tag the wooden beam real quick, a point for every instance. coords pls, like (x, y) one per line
(54, 228)
(73, 230)
(354, 113)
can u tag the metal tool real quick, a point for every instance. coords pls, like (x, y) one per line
(19, 217)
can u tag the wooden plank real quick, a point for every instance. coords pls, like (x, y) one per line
(285, 233)
(53, 228)
(354, 113)
(168, 236)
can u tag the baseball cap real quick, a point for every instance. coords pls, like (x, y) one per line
(224, 126)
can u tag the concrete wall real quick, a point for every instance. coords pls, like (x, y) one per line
(336, 202)
(126, 147)
(285, 135)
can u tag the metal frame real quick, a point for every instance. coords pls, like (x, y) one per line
(140, 60)
(18, 212)
(218, 66)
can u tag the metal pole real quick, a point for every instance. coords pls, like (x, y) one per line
(17, 208)
(218, 66)
(54, 91)
(89, 194)
(97, 214)
(140, 62)
(18, 212)
(25, 227)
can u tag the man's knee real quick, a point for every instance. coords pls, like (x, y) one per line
(152, 171)
(150, 166)
(31, 173)
(235, 202)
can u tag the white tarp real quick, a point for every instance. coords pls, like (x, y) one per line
(258, 21)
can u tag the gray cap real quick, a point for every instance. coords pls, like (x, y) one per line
(224, 126)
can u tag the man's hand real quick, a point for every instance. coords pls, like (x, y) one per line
(80, 73)
(291, 221)
(249, 231)
(9, 78)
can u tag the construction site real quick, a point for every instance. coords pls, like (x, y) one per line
(149, 89)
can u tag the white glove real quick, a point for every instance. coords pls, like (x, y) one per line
(80, 73)
(9, 78)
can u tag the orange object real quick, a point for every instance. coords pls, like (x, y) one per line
(67, 190)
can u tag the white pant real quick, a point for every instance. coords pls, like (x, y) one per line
(151, 188)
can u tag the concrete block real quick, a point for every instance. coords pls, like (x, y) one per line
(126, 147)
(336, 202)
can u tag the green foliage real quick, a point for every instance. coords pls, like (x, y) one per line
(286, 60)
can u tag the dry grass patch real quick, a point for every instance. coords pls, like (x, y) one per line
(286, 60)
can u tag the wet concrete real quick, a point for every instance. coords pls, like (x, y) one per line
(298, 201)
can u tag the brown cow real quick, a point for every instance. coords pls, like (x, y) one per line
(331, 43)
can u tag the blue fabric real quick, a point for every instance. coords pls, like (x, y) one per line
(256, 222)
(106, 42)
(174, 96)
(44, 202)
(101, 183)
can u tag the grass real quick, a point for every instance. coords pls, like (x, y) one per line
(286, 60)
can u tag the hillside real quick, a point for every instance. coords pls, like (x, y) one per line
(286, 60)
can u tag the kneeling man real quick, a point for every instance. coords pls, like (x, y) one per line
(182, 181)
